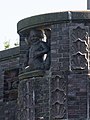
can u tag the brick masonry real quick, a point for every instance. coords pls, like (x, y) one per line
(63, 91)
(33, 98)
(68, 85)
(9, 61)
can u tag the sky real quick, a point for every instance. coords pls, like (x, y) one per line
(12, 11)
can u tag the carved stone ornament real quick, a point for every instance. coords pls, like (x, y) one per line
(79, 45)
(79, 61)
(37, 49)
(79, 32)
(79, 49)
(58, 97)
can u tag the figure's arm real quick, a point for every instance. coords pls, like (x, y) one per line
(43, 49)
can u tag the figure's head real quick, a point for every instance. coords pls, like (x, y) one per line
(35, 35)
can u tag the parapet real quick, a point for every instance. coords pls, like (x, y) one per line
(52, 18)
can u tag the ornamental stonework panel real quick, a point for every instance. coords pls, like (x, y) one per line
(26, 101)
(58, 98)
(79, 47)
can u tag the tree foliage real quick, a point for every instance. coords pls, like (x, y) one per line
(7, 44)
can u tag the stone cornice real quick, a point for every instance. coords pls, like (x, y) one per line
(51, 18)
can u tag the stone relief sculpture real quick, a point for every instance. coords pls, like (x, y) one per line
(37, 50)
(58, 97)
(79, 48)
(58, 111)
(79, 61)
(79, 45)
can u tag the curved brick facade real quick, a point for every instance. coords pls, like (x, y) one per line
(59, 90)
(62, 92)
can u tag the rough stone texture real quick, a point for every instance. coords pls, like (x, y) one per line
(63, 91)
(59, 66)
(68, 85)
(77, 96)
(9, 60)
(34, 98)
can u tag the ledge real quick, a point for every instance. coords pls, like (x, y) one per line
(9, 53)
(52, 18)
(31, 74)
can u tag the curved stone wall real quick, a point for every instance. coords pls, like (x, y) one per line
(51, 18)
(57, 45)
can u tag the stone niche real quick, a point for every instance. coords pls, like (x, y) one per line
(11, 85)
(54, 66)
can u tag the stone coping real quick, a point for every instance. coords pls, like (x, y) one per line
(9, 53)
(52, 18)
